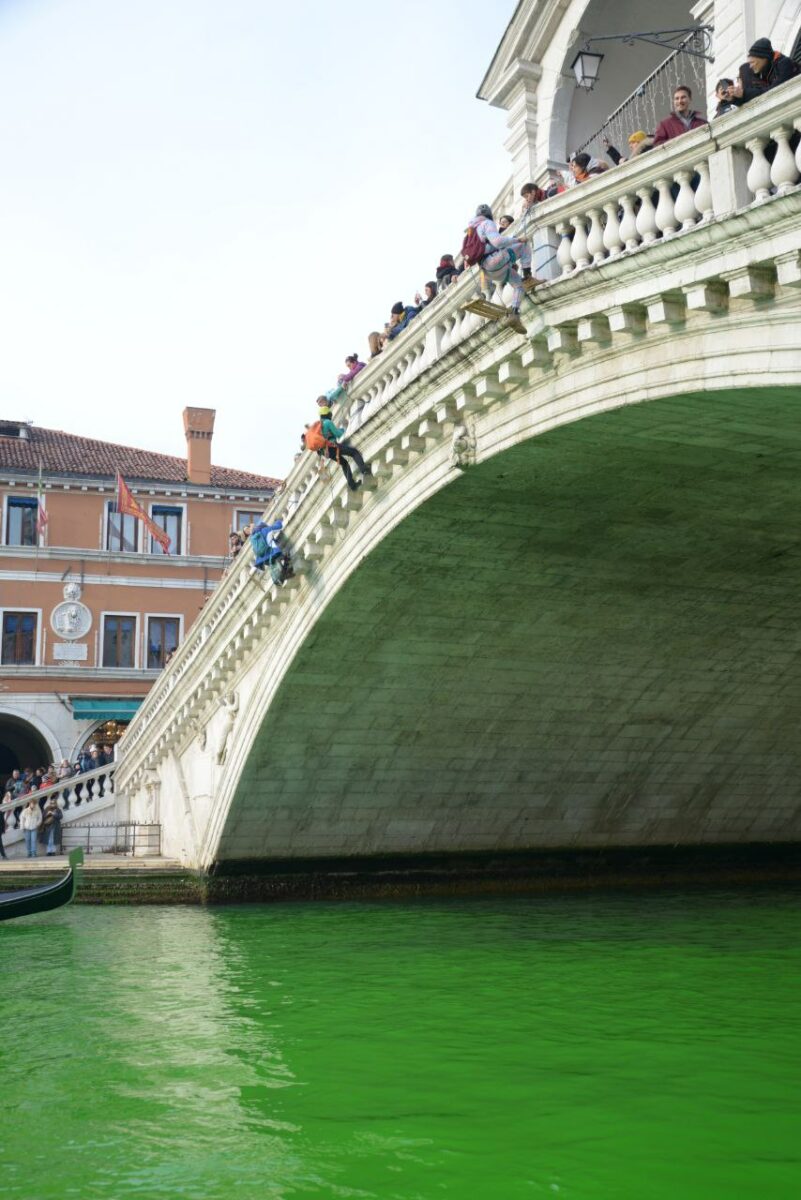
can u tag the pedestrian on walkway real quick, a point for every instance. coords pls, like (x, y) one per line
(30, 821)
(51, 826)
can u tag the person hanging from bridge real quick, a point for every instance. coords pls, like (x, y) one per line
(324, 438)
(498, 256)
(267, 552)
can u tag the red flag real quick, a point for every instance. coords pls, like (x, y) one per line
(127, 504)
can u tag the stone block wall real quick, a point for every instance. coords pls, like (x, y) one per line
(589, 640)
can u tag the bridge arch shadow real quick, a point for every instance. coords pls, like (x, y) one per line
(590, 639)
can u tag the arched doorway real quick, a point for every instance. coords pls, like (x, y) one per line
(107, 733)
(21, 745)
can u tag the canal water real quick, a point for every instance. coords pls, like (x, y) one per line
(604, 1046)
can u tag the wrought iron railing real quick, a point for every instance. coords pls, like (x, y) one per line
(133, 839)
(652, 99)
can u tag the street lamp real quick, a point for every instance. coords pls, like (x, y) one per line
(585, 67)
(587, 63)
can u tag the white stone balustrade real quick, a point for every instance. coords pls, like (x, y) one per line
(76, 796)
(698, 231)
(669, 190)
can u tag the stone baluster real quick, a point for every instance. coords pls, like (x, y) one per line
(628, 226)
(783, 171)
(612, 238)
(646, 217)
(578, 248)
(595, 238)
(400, 372)
(703, 193)
(666, 216)
(407, 374)
(466, 323)
(433, 347)
(758, 177)
(564, 255)
(686, 212)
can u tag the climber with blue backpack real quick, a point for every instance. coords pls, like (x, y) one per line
(268, 553)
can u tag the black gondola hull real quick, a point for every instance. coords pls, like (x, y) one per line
(26, 901)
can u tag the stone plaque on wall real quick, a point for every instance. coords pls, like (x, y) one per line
(69, 651)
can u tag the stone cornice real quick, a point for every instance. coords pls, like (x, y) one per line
(62, 671)
(530, 31)
(53, 481)
(95, 558)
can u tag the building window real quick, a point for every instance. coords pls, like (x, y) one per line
(162, 639)
(121, 529)
(21, 521)
(246, 516)
(19, 639)
(170, 520)
(119, 641)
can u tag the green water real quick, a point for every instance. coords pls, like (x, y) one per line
(605, 1046)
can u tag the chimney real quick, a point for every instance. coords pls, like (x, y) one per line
(198, 427)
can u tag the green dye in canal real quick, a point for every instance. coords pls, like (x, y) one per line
(641, 1047)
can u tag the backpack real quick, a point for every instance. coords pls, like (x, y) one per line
(261, 547)
(474, 247)
(281, 569)
(313, 437)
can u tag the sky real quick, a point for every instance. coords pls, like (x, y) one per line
(212, 204)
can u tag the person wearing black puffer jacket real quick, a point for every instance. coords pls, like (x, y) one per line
(447, 271)
(765, 69)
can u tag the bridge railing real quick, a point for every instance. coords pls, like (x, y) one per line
(698, 180)
(75, 796)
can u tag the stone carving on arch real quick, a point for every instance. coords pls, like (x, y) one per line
(230, 703)
(463, 447)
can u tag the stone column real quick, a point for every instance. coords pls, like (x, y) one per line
(734, 23)
(704, 13)
(521, 105)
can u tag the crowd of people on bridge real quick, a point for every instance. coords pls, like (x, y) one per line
(764, 70)
(506, 259)
(28, 785)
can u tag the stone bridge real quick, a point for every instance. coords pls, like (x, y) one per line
(564, 613)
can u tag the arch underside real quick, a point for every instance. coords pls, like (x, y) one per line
(21, 745)
(590, 639)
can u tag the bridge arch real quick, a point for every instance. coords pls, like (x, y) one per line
(589, 638)
(25, 741)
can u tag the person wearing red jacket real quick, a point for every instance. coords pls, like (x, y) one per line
(681, 120)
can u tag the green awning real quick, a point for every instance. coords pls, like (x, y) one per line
(85, 708)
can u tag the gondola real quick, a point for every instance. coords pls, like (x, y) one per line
(25, 901)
